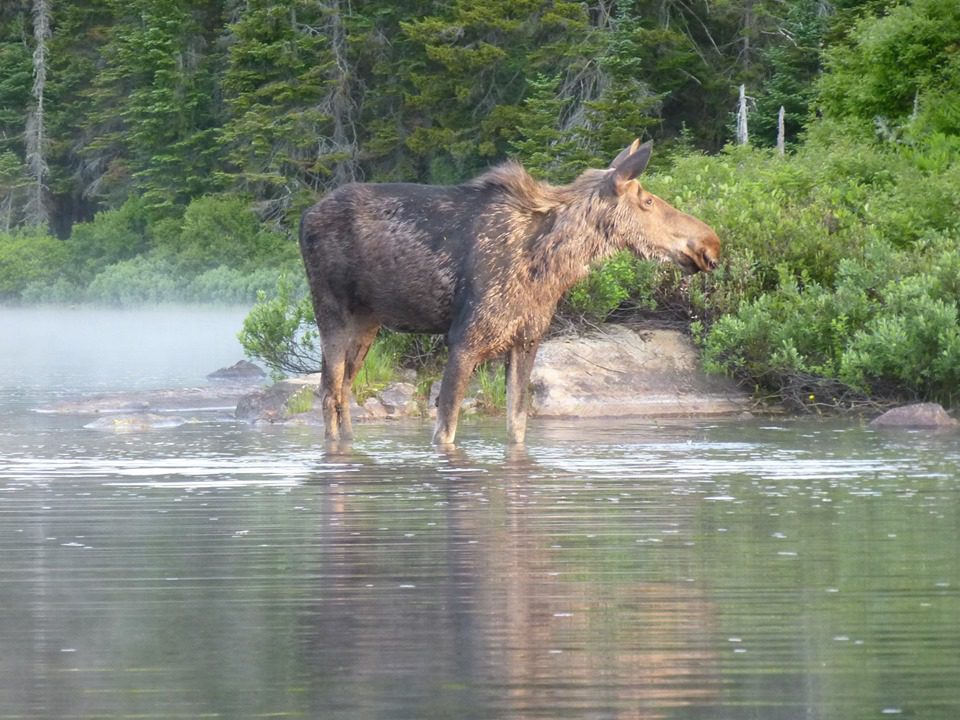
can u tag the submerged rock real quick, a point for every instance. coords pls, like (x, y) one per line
(919, 415)
(218, 399)
(618, 371)
(137, 422)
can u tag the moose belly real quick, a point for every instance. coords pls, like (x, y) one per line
(413, 303)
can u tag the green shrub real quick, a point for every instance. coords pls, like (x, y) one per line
(142, 280)
(623, 278)
(29, 258)
(888, 329)
(223, 232)
(230, 285)
(112, 236)
(280, 331)
(911, 347)
(58, 291)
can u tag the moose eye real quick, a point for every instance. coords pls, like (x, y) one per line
(648, 202)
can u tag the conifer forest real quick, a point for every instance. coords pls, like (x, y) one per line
(161, 150)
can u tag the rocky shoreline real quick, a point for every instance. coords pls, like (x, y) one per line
(615, 371)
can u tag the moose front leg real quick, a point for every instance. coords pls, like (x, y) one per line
(453, 387)
(519, 365)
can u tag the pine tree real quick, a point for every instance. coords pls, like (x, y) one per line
(154, 103)
(793, 64)
(291, 113)
(76, 54)
(545, 147)
(16, 80)
(470, 77)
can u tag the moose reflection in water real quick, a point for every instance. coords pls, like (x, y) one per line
(485, 263)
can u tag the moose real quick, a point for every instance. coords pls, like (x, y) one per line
(484, 263)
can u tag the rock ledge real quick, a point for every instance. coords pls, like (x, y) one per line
(618, 371)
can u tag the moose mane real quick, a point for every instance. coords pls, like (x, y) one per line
(528, 194)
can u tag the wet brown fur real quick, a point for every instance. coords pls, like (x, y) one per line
(484, 262)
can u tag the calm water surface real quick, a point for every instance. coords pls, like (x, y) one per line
(693, 570)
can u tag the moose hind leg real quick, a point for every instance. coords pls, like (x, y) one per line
(355, 353)
(456, 375)
(519, 365)
(334, 346)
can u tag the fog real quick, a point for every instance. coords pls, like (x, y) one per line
(111, 349)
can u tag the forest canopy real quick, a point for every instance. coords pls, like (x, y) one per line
(163, 149)
(164, 101)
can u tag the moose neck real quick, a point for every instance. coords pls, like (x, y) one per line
(576, 240)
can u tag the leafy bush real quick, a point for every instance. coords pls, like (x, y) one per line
(620, 280)
(889, 328)
(229, 285)
(280, 330)
(141, 280)
(223, 232)
(897, 69)
(112, 236)
(29, 258)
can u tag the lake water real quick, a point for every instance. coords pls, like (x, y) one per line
(703, 570)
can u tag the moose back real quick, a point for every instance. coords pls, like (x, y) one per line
(484, 263)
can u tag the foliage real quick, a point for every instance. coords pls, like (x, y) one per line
(169, 100)
(279, 94)
(146, 279)
(281, 331)
(378, 371)
(183, 139)
(29, 257)
(619, 280)
(490, 378)
(223, 232)
(112, 236)
(898, 70)
(848, 289)
(154, 114)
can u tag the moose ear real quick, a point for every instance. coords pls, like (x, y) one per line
(632, 161)
(625, 153)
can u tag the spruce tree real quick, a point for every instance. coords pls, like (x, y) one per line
(288, 102)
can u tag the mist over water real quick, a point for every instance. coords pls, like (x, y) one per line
(691, 570)
(58, 348)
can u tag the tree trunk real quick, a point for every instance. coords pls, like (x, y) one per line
(342, 107)
(742, 135)
(35, 211)
(781, 132)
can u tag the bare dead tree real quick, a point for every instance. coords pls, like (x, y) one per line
(35, 211)
(743, 137)
(340, 102)
(781, 132)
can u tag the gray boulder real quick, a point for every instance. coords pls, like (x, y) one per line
(399, 400)
(270, 404)
(919, 415)
(241, 371)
